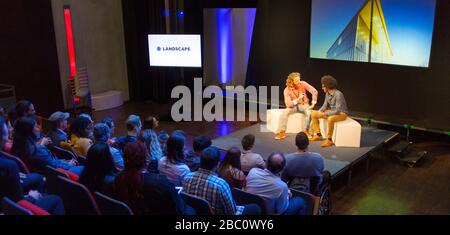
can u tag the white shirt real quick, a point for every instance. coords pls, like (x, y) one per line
(174, 172)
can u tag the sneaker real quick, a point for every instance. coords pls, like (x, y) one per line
(280, 135)
(327, 143)
(315, 138)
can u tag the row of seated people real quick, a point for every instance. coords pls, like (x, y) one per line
(167, 162)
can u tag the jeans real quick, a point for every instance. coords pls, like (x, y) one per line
(330, 122)
(33, 181)
(297, 109)
(297, 206)
(251, 209)
(51, 203)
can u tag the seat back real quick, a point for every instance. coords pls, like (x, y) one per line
(76, 197)
(200, 205)
(110, 206)
(62, 153)
(305, 184)
(11, 208)
(51, 182)
(23, 167)
(242, 198)
(311, 201)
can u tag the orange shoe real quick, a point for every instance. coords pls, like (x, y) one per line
(280, 135)
(315, 138)
(327, 143)
(307, 134)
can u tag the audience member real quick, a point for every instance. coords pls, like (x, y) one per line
(80, 131)
(172, 165)
(102, 135)
(134, 126)
(230, 169)
(302, 164)
(146, 193)
(151, 123)
(99, 171)
(112, 127)
(249, 159)
(268, 184)
(155, 153)
(59, 124)
(192, 158)
(205, 184)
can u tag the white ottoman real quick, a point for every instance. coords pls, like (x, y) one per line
(295, 121)
(346, 133)
(107, 100)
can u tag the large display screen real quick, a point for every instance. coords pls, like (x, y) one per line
(378, 31)
(175, 50)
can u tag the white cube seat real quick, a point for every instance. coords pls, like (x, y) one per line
(346, 133)
(295, 121)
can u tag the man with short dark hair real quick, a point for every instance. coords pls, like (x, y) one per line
(205, 184)
(192, 158)
(334, 109)
(302, 164)
(102, 134)
(134, 126)
(249, 159)
(58, 134)
(268, 185)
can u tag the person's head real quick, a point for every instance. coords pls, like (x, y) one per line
(175, 148)
(135, 156)
(25, 108)
(328, 83)
(210, 158)
(276, 163)
(293, 80)
(179, 132)
(110, 123)
(201, 142)
(101, 132)
(301, 141)
(59, 120)
(151, 122)
(25, 136)
(3, 132)
(99, 163)
(248, 141)
(232, 158)
(81, 127)
(133, 124)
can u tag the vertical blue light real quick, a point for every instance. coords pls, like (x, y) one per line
(224, 40)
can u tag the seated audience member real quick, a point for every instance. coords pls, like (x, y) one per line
(28, 181)
(24, 108)
(249, 159)
(101, 135)
(205, 184)
(80, 131)
(112, 127)
(302, 164)
(192, 158)
(146, 193)
(10, 187)
(151, 142)
(59, 122)
(8, 144)
(172, 165)
(91, 124)
(99, 171)
(134, 126)
(230, 169)
(151, 123)
(35, 155)
(268, 185)
(163, 137)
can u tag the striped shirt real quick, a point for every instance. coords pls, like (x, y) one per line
(207, 185)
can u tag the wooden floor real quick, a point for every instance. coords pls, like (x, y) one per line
(388, 188)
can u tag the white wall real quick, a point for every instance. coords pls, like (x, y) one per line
(99, 43)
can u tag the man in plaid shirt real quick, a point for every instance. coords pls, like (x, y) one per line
(205, 184)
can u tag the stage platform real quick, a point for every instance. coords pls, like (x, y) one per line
(337, 159)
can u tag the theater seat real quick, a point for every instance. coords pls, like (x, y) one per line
(295, 122)
(346, 133)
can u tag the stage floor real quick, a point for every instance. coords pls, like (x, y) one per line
(337, 159)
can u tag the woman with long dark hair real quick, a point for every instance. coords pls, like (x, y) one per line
(80, 130)
(99, 171)
(172, 165)
(144, 192)
(230, 168)
(151, 142)
(25, 146)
